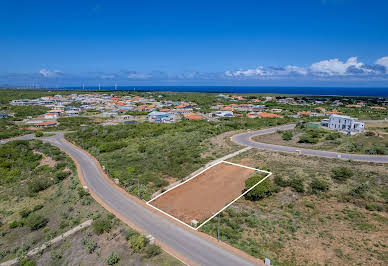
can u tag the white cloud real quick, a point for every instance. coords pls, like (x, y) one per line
(108, 76)
(50, 74)
(383, 61)
(296, 70)
(139, 76)
(260, 71)
(333, 67)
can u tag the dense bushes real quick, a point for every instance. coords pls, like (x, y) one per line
(35, 221)
(152, 250)
(341, 173)
(156, 152)
(287, 135)
(16, 159)
(38, 184)
(112, 259)
(89, 244)
(101, 226)
(312, 136)
(296, 183)
(137, 243)
(20, 162)
(318, 185)
(262, 190)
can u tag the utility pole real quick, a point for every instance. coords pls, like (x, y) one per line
(218, 227)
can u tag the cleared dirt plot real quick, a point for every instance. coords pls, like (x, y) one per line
(205, 194)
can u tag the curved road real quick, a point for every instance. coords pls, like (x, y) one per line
(245, 139)
(188, 244)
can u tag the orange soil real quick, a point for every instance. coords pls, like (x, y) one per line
(205, 194)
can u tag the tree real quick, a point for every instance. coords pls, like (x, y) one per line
(262, 190)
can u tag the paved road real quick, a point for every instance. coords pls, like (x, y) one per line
(245, 139)
(25, 137)
(188, 244)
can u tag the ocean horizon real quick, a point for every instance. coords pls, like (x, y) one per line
(324, 91)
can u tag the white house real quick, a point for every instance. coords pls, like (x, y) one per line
(50, 116)
(343, 123)
(224, 113)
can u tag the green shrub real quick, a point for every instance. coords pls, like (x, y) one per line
(3, 253)
(24, 213)
(308, 139)
(377, 149)
(262, 190)
(278, 180)
(101, 226)
(287, 135)
(38, 184)
(130, 233)
(333, 136)
(38, 134)
(152, 251)
(82, 193)
(297, 184)
(37, 207)
(112, 259)
(359, 191)
(341, 173)
(59, 176)
(27, 262)
(16, 224)
(137, 243)
(90, 245)
(35, 221)
(318, 186)
(61, 165)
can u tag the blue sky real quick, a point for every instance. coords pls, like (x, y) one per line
(310, 42)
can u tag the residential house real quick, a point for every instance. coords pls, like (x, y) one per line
(46, 124)
(160, 117)
(72, 113)
(223, 113)
(50, 116)
(343, 123)
(267, 115)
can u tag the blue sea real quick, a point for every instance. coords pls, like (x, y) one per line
(340, 91)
